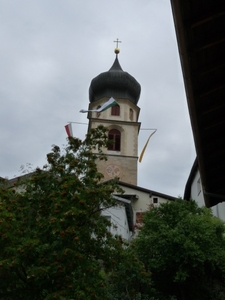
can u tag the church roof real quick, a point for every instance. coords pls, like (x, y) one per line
(115, 83)
(145, 190)
(201, 41)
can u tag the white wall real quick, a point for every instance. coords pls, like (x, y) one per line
(197, 195)
(119, 221)
(144, 200)
(196, 190)
(219, 210)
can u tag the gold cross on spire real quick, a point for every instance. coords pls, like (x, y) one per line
(117, 41)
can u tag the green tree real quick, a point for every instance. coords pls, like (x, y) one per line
(129, 280)
(54, 243)
(183, 246)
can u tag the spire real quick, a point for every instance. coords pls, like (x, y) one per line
(116, 65)
(115, 83)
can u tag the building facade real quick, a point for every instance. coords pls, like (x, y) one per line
(194, 190)
(121, 121)
(122, 154)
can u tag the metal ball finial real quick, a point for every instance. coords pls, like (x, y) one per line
(117, 50)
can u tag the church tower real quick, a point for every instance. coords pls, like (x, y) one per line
(121, 121)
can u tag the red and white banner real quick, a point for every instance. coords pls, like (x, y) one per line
(69, 130)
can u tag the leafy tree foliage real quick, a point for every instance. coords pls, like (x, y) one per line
(183, 246)
(129, 279)
(54, 243)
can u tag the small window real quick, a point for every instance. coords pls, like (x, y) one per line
(155, 200)
(114, 139)
(115, 110)
(131, 114)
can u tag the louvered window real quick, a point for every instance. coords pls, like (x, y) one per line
(115, 139)
(115, 110)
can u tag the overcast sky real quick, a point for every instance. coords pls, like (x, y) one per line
(51, 50)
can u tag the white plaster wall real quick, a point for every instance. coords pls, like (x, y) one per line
(217, 210)
(144, 201)
(125, 160)
(128, 128)
(129, 138)
(125, 106)
(119, 221)
(195, 194)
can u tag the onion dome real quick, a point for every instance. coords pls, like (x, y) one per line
(115, 83)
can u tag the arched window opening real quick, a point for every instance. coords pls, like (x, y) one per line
(115, 110)
(131, 114)
(114, 139)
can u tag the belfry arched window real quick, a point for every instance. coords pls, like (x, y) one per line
(115, 140)
(115, 110)
(131, 114)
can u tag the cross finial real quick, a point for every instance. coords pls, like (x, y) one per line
(117, 41)
(117, 50)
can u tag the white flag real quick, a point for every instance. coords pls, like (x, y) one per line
(111, 102)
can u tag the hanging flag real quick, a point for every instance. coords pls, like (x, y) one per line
(69, 130)
(111, 102)
(143, 151)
